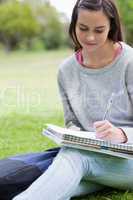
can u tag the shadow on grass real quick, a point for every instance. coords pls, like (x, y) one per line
(107, 194)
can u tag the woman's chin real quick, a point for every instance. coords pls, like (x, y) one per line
(91, 48)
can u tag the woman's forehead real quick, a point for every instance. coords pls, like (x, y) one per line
(87, 17)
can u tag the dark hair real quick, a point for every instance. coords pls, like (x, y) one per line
(110, 10)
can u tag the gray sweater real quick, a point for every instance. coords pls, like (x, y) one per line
(86, 92)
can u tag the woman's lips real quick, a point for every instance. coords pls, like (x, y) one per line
(91, 44)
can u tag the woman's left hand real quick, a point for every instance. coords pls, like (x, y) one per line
(107, 131)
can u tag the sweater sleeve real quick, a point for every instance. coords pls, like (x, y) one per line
(129, 133)
(69, 116)
(129, 84)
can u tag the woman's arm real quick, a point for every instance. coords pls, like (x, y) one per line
(107, 131)
(129, 83)
(69, 116)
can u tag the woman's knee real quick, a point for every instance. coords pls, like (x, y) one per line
(71, 155)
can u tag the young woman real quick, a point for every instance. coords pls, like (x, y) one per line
(100, 69)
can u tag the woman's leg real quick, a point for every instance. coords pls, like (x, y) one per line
(62, 179)
(110, 171)
(86, 187)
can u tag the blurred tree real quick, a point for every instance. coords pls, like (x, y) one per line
(126, 10)
(17, 23)
(22, 20)
(52, 28)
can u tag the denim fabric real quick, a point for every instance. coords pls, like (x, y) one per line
(78, 172)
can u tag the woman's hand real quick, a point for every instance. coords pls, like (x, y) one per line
(107, 131)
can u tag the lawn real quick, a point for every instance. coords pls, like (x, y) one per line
(28, 99)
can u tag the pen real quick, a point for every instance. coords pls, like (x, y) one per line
(108, 106)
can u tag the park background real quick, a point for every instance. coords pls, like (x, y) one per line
(33, 42)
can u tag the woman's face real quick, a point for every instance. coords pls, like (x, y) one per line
(92, 29)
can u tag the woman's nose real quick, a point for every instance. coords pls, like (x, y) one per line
(90, 37)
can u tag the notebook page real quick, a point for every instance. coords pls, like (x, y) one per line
(87, 137)
(85, 134)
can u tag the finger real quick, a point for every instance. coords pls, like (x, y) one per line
(103, 128)
(98, 124)
(108, 138)
(104, 134)
(101, 135)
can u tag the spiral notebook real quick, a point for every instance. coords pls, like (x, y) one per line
(87, 141)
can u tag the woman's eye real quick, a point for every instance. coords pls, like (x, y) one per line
(83, 29)
(99, 31)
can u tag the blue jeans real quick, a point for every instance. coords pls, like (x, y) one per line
(77, 172)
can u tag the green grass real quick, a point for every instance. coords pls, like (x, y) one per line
(21, 133)
(28, 82)
(28, 100)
